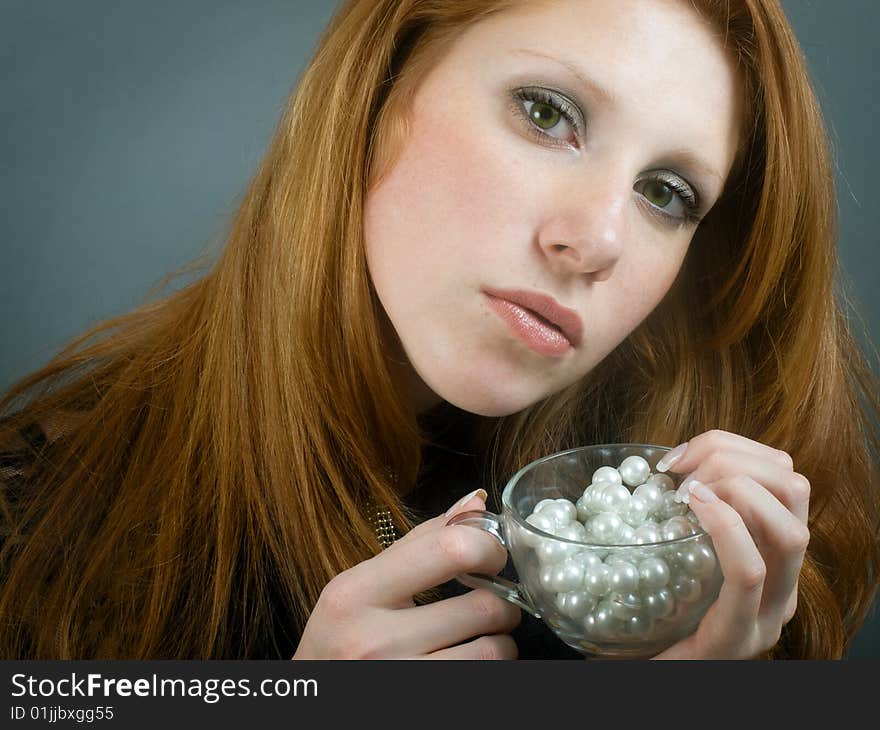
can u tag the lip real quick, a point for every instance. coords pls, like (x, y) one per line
(566, 320)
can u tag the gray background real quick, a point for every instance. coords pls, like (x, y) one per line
(129, 130)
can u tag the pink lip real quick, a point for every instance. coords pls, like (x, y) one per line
(518, 308)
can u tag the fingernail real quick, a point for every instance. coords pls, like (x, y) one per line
(701, 492)
(683, 493)
(671, 457)
(464, 500)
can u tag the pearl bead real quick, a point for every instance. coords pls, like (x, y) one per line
(651, 494)
(584, 512)
(625, 535)
(605, 527)
(675, 528)
(576, 604)
(615, 498)
(624, 577)
(669, 507)
(686, 588)
(566, 507)
(637, 626)
(664, 481)
(588, 558)
(559, 513)
(551, 551)
(606, 474)
(697, 560)
(596, 580)
(646, 533)
(636, 511)
(654, 573)
(543, 522)
(543, 503)
(572, 531)
(566, 576)
(659, 604)
(605, 622)
(634, 470)
(593, 497)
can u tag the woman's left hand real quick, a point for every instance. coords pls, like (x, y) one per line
(754, 506)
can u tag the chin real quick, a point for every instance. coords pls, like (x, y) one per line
(488, 403)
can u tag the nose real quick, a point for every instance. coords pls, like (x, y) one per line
(584, 233)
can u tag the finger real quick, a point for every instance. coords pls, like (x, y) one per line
(781, 538)
(394, 576)
(438, 625)
(790, 488)
(476, 500)
(699, 447)
(730, 622)
(496, 646)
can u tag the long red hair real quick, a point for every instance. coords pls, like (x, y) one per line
(212, 454)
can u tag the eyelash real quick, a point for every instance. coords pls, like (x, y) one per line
(684, 192)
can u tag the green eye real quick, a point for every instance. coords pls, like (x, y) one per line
(658, 193)
(544, 115)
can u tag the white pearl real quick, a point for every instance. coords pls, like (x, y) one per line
(605, 526)
(543, 503)
(675, 528)
(659, 604)
(551, 551)
(646, 533)
(637, 626)
(624, 577)
(543, 522)
(634, 470)
(615, 498)
(558, 513)
(605, 622)
(584, 512)
(566, 507)
(607, 474)
(686, 588)
(545, 577)
(596, 580)
(636, 511)
(588, 558)
(664, 481)
(697, 560)
(669, 507)
(567, 575)
(651, 494)
(572, 531)
(576, 604)
(625, 535)
(654, 573)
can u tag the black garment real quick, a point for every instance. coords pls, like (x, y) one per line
(449, 471)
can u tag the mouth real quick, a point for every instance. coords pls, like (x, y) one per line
(542, 310)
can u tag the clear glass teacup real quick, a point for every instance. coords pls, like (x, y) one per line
(603, 595)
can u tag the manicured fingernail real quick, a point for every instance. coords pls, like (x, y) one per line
(701, 492)
(464, 500)
(683, 493)
(671, 457)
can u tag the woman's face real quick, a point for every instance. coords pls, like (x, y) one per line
(497, 189)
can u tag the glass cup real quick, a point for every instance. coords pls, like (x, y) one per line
(600, 595)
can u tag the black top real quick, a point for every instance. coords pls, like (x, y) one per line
(449, 471)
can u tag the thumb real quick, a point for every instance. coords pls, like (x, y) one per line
(472, 501)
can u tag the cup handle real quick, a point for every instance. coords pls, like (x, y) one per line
(501, 587)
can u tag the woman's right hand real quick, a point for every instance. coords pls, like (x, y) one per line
(368, 612)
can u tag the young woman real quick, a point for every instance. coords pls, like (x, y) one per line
(216, 474)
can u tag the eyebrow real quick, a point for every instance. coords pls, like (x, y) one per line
(599, 91)
(683, 155)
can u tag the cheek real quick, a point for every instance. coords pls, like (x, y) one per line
(447, 208)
